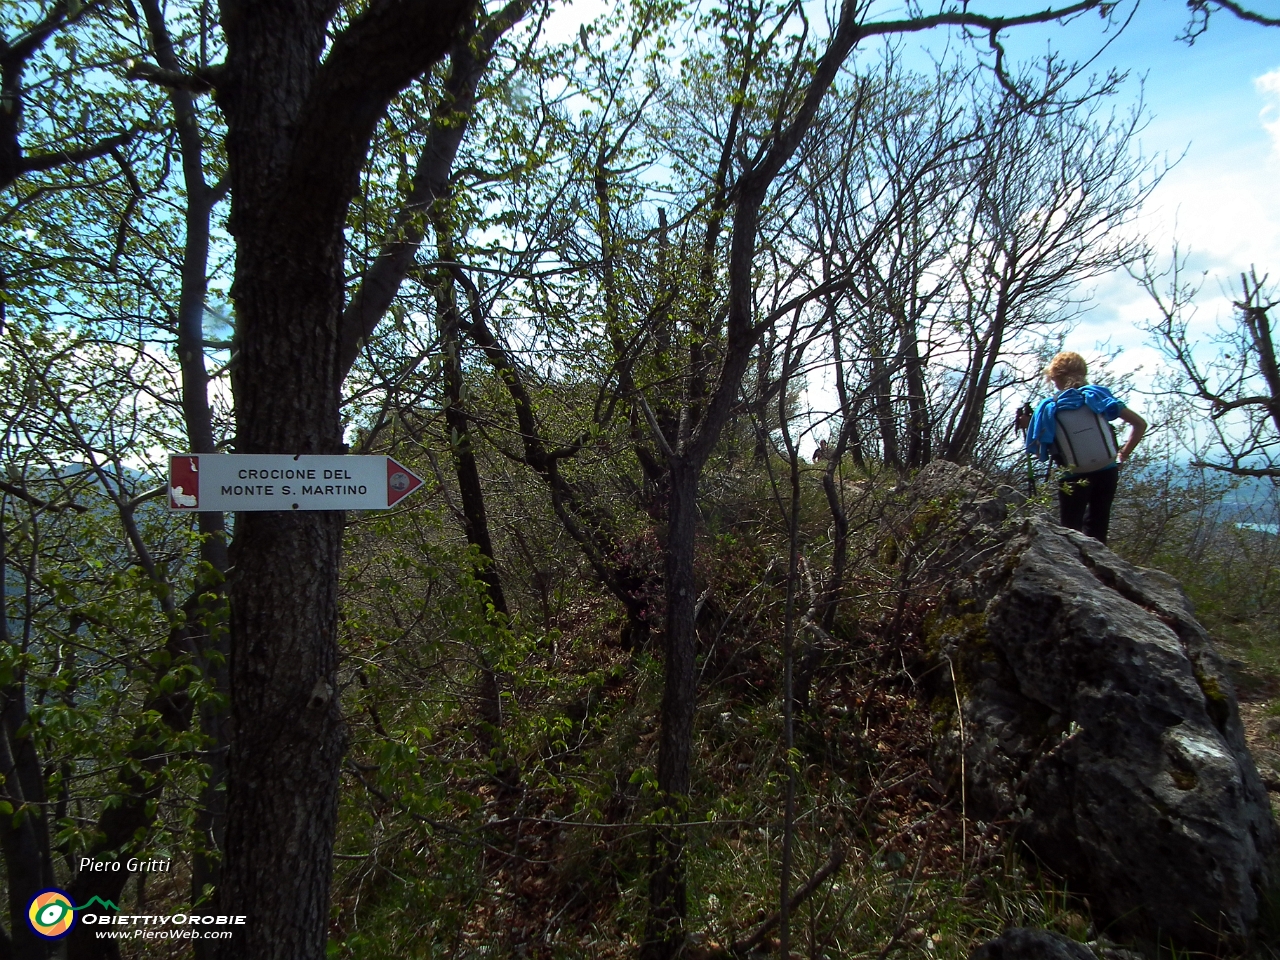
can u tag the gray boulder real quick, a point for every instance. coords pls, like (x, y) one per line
(1097, 718)
(1025, 943)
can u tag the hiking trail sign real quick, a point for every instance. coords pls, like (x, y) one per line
(235, 482)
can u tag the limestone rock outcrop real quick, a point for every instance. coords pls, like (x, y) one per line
(1097, 718)
(1025, 943)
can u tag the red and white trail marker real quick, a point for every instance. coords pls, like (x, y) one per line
(231, 482)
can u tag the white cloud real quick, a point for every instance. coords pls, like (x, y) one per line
(1268, 85)
(1220, 204)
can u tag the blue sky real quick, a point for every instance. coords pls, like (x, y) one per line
(1211, 104)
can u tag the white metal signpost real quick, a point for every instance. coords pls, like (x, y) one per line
(233, 482)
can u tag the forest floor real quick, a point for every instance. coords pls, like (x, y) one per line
(918, 878)
(918, 882)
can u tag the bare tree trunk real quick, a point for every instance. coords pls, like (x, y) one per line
(1253, 311)
(701, 425)
(475, 517)
(210, 646)
(470, 489)
(919, 440)
(24, 840)
(986, 353)
(789, 363)
(883, 401)
(469, 59)
(587, 526)
(664, 933)
(850, 435)
(288, 736)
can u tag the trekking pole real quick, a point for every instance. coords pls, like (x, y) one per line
(1021, 423)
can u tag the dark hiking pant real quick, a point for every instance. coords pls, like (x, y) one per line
(1085, 502)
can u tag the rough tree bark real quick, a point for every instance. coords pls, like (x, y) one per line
(919, 426)
(299, 123)
(23, 840)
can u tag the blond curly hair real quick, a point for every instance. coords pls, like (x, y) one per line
(1067, 369)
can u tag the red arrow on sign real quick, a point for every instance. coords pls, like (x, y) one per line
(401, 481)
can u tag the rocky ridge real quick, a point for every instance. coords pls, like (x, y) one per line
(1096, 719)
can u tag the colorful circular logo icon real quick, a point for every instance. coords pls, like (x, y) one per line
(52, 914)
(399, 482)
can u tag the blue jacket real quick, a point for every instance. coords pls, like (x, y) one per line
(1044, 427)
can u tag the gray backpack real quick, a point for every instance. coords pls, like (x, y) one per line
(1084, 441)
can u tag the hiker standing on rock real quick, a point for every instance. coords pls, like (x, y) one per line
(1071, 426)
